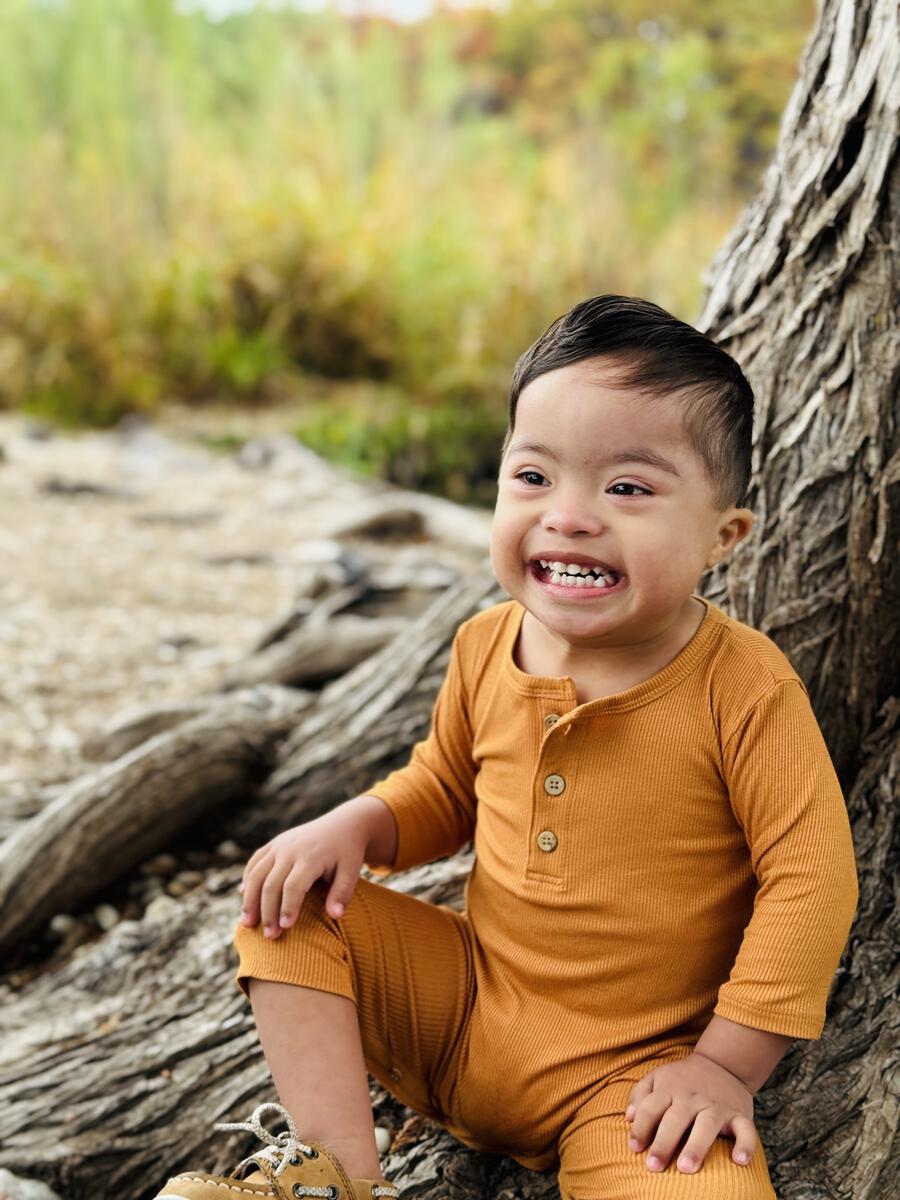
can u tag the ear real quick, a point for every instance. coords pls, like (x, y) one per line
(736, 523)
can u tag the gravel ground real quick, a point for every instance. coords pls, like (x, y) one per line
(136, 566)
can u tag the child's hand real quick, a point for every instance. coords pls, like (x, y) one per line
(280, 873)
(692, 1092)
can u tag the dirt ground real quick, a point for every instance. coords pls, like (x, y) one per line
(136, 565)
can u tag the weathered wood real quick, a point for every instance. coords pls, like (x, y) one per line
(317, 651)
(116, 1066)
(107, 822)
(403, 515)
(804, 294)
(131, 729)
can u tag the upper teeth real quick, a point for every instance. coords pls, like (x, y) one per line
(573, 568)
(577, 570)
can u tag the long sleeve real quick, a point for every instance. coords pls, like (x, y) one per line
(433, 797)
(786, 796)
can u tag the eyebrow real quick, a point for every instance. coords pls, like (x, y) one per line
(637, 454)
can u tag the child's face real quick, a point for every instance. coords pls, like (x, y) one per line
(588, 497)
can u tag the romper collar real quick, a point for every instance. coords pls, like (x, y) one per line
(562, 688)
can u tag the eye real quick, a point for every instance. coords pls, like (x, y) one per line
(535, 475)
(642, 491)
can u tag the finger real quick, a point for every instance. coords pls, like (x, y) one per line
(707, 1127)
(676, 1120)
(642, 1088)
(270, 898)
(745, 1139)
(646, 1118)
(255, 857)
(293, 893)
(253, 882)
(346, 877)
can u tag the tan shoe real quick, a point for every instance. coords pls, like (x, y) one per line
(285, 1169)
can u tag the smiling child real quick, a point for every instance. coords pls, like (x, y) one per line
(664, 875)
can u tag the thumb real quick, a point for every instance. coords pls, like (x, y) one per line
(346, 877)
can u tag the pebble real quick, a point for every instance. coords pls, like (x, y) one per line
(221, 881)
(383, 1139)
(229, 850)
(61, 924)
(106, 917)
(189, 879)
(160, 909)
(160, 864)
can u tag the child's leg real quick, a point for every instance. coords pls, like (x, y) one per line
(312, 1045)
(596, 1163)
(388, 988)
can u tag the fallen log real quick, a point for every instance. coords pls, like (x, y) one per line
(105, 823)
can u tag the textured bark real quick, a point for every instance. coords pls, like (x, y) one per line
(111, 820)
(805, 295)
(114, 1068)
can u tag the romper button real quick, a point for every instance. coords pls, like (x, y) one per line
(395, 1075)
(554, 785)
(550, 720)
(547, 840)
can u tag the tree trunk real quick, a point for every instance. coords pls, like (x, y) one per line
(804, 295)
(114, 1068)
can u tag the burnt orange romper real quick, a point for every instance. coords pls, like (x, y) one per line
(642, 861)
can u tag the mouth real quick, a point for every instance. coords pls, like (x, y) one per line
(576, 574)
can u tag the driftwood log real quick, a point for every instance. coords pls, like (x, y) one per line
(114, 1066)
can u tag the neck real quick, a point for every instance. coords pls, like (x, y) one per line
(638, 658)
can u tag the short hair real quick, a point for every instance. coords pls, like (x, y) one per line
(658, 354)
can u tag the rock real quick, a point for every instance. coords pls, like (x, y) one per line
(159, 865)
(61, 924)
(189, 879)
(55, 485)
(187, 518)
(14, 1187)
(160, 910)
(383, 1139)
(106, 917)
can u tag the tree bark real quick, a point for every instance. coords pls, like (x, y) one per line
(804, 294)
(114, 1067)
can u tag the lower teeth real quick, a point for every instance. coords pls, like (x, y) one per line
(573, 580)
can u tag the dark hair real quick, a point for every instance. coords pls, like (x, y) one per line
(660, 354)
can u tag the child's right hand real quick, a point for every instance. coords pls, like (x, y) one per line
(280, 873)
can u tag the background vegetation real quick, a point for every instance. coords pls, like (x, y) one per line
(364, 220)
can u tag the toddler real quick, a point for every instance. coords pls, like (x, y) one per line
(664, 875)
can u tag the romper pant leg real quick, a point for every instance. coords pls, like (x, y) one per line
(596, 1164)
(407, 965)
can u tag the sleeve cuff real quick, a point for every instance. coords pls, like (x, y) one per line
(788, 1024)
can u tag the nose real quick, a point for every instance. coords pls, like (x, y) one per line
(571, 515)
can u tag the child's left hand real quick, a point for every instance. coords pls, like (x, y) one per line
(693, 1091)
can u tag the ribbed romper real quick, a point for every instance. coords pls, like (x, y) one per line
(642, 861)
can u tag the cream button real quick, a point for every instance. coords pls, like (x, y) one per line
(550, 720)
(546, 839)
(554, 785)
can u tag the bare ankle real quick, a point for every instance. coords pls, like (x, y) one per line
(358, 1158)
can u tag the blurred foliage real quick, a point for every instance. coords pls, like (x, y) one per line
(195, 209)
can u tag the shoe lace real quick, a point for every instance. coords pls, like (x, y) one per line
(281, 1147)
(284, 1146)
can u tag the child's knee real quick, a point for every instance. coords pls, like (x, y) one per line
(311, 952)
(596, 1164)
